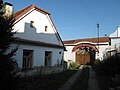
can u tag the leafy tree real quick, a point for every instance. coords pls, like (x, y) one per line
(7, 63)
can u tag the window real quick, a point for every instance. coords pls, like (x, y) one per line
(32, 24)
(27, 59)
(48, 57)
(46, 28)
(59, 52)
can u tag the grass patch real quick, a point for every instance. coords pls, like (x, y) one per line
(81, 82)
(48, 82)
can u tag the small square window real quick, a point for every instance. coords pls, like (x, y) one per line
(32, 24)
(59, 52)
(46, 28)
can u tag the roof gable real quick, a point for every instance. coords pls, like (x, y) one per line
(26, 12)
(22, 12)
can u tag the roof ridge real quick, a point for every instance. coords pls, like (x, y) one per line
(87, 38)
(22, 11)
(94, 40)
(25, 10)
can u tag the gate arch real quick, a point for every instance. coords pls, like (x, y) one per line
(85, 45)
(85, 53)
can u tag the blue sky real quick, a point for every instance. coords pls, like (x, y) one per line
(76, 19)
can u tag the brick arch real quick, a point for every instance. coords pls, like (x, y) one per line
(88, 56)
(85, 45)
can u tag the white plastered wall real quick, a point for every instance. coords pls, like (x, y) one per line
(38, 54)
(38, 32)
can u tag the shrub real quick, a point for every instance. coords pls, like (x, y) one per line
(74, 66)
(110, 66)
(96, 62)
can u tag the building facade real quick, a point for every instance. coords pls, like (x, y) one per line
(38, 41)
(114, 48)
(85, 51)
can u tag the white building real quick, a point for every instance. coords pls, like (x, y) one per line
(38, 41)
(115, 38)
(114, 48)
(85, 51)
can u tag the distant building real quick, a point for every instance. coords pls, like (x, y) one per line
(114, 48)
(115, 37)
(85, 51)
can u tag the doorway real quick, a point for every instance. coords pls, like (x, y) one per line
(82, 57)
(48, 58)
(85, 55)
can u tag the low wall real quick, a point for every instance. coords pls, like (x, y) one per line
(50, 70)
(43, 70)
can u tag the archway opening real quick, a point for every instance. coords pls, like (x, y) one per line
(85, 53)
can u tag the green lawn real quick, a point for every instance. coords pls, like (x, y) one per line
(82, 81)
(48, 82)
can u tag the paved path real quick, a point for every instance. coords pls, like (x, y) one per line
(93, 84)
(71, 81)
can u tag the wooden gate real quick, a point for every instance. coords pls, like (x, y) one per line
(82, 57)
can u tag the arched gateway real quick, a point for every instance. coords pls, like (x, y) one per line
(85, 53)
(84, 50)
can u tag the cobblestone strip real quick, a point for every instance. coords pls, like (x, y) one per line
(71, 81)
(93, 84)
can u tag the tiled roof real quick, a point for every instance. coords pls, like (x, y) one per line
(25, 10)
(37, 43)
(93, 40)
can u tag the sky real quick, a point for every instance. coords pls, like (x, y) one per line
(77, 19)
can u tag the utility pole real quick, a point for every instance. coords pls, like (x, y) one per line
(98, 37)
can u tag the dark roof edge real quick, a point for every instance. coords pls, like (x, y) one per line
(37, 43)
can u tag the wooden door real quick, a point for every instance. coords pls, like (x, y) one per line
(82, 57)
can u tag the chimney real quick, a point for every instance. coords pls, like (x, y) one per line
(8, 9)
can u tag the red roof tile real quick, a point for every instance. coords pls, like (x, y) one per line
(93, 40)
(25, 10)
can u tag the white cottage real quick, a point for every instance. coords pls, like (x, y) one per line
(38, 41)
